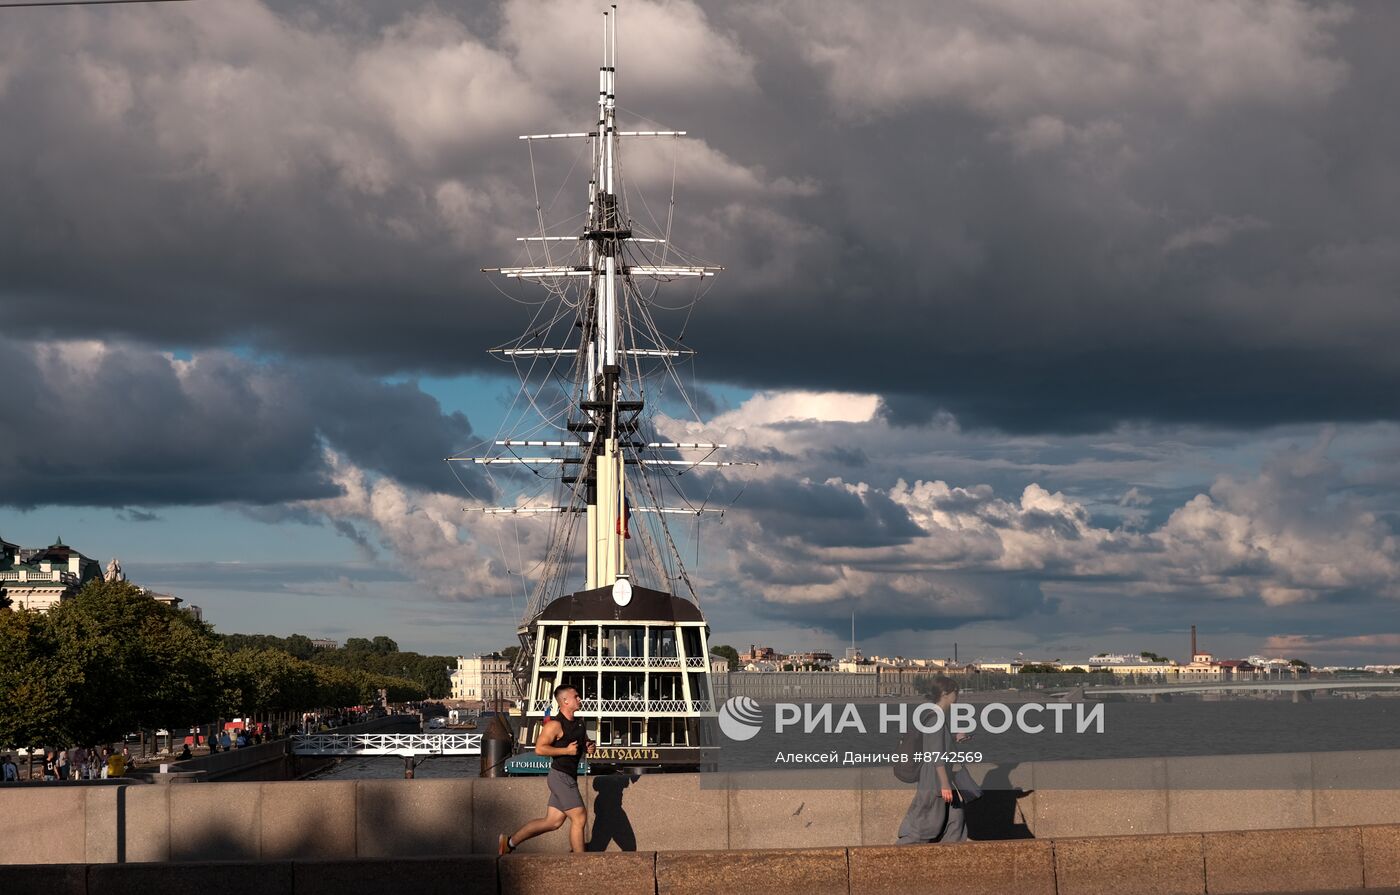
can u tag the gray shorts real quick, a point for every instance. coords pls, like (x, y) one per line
(563, 791)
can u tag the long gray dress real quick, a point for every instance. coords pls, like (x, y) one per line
(929, 818)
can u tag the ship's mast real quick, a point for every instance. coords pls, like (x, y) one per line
(607, 498)
(607, 355)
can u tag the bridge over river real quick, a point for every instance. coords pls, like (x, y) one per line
(408, 745)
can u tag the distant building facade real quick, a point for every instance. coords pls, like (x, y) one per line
(482, 679)
(41, 579)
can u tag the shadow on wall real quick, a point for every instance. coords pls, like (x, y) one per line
(610, 821)
(995, 815)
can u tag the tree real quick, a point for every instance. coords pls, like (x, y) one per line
(299, 645)
(383, 645)
(37, 680)
(147, 664)
(109, 661)
(509, 654)
(1152, 657)
(728, 653)
(260, 682)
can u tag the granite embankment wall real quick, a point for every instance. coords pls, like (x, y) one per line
(1342, 859)
(73, 823)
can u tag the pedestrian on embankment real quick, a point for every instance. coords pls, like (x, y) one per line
(564, 740)
(936, 814)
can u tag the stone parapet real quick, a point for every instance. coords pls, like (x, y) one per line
(816, 809)
(1335, 859)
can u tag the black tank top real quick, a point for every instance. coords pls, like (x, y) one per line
(573, 733)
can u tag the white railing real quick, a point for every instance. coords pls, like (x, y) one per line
(665, 662)
(633, 706)
(623, 661)
(695, 662)
(387, 744)
(28, 575)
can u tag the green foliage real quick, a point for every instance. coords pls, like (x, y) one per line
(427, 675)
(38, 676)
(509, 654)
(112, 660)
(1034, 668)
(728, 653)
(106, 662)
(1152, 657)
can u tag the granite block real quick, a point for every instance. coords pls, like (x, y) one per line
(1380, 855)
(772, 872)
(214, 821)
(1099, 812)
(42, 823)
(814, 809)
(617, 873)
(1283, 861)
(43, 879)
(268, 878)
(1239, 792)
(1026, 867)
(142, 820)
(504, 804)
(403, 818)
(470, 875)
(308, 819)
(1148, 865)
(1356, 788)
(653, 811)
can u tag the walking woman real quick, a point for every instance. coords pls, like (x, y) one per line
(936, 814)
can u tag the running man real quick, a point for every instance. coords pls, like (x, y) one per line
(565, 741)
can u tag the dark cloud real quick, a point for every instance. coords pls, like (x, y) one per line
(116, 425)
(826, 516)
(1203, 236)
(948, 602)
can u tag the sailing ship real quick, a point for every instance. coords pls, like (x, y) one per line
(637, 652)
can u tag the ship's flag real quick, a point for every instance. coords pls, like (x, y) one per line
(624, 522)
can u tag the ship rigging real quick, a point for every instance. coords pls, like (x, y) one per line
(593, 365)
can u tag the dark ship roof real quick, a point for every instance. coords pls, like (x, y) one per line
(646, 605)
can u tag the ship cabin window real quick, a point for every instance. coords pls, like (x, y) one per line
(544, 690)
(666, 732)
(623, 686)
(581, 681)
(698, 690)
(621, 732)
(666, 686)
(622, 643)
(663, 643)
(692, 641)
(551, 644)
(582, 642)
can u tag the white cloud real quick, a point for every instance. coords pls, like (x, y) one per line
(1282, 536)
(427, 534)
(1214, 233)
(1014, 60)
